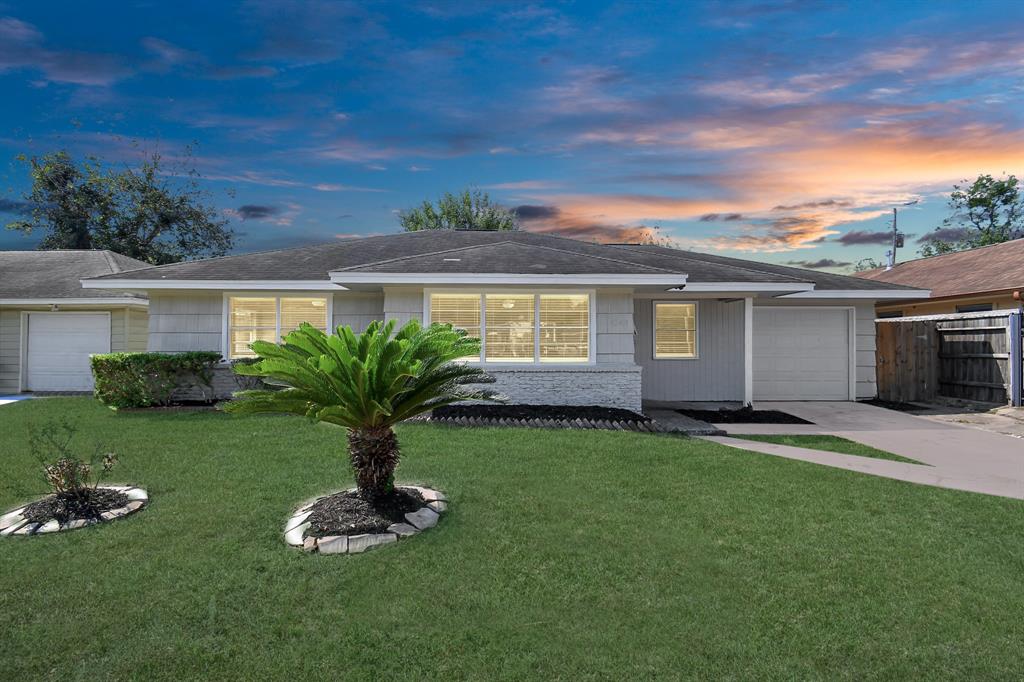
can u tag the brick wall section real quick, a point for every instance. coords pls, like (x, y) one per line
(607, 385)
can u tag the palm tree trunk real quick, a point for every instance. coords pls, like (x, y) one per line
(374, 454)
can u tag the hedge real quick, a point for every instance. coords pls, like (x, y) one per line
(147, 379)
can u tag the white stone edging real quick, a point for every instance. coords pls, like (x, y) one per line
(14, 523)
(415, 522)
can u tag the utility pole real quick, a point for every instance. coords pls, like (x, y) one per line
(897, 238)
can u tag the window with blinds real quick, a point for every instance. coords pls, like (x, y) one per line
(520, 328)
(675, 330)
(564, 328)
(252, 318)
(510, 328)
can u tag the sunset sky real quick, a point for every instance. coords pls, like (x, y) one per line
(781, 131)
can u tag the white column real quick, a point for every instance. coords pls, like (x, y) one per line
(748, 351)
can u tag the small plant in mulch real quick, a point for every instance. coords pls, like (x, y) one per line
(74, 483)
(347, 513)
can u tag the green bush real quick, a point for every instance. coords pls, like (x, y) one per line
(147, 379)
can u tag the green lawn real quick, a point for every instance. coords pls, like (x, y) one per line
(565, 554)
(831, 444)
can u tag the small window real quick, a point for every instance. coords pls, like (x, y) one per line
(675, 330)
(564, 328)
(974, 308)
(259, 318)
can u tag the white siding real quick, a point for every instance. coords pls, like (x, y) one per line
(403, 304)
(865, 336)
(10, 349)
(357, 309)
(716, 375)
(615, 326)
(182, 322)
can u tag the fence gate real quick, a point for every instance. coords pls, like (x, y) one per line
(974, 356)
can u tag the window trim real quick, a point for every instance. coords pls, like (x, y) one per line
(591, 295)
(654, 330)
(225, 332)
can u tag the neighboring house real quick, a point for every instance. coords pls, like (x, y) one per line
(562, 321)
(972, 281)
(50, 325)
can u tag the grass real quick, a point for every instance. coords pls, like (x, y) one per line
(831, 444)
(565, 554)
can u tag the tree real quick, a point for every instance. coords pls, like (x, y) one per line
(866, 264)
(152, 213)
(988, 211)
(366, 383)
(470, 210)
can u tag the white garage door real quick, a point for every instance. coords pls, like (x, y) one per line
(59, 346)
(801, 354)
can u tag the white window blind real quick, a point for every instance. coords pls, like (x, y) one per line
(564, 328)
(675, 330)
(510, 328)
(252, 318)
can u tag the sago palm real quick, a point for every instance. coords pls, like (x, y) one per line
(366, 383)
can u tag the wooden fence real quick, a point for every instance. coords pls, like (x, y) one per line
(974, 356)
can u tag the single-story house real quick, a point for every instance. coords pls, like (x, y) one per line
(979, 280)
(561, 320)
(50, 325)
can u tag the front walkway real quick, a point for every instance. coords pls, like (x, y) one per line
(960, 457)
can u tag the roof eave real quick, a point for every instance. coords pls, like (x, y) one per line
(864, 294)
(347, 277)
(212, 284)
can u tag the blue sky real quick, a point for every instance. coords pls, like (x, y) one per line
(780, 131)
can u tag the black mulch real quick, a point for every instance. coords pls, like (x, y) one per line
(544, 412)
(87, 505)
(744, 415)
(890, 405)
(348, 514)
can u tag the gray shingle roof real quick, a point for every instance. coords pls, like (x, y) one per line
(55, 274)
(518, 252)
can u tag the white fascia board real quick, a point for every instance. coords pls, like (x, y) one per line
(726, 287)
(74, 301)
(215, 284)
(344, 277)
(870, 294)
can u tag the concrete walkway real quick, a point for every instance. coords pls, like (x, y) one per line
(960, 457)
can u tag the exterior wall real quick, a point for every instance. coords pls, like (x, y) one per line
(607, 385)
(357, 309)
(615, 326)
(403, 304)
(181, 322)
(715, 375)
(10, 349)
(127, 333)
(999, 300)
(864, 315)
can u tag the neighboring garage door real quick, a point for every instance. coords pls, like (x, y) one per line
(58, 349)
(801, 354)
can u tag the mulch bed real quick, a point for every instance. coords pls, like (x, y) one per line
(86, 506)
(183, 406)
(346, 513)
(543, 416)
(743, 416)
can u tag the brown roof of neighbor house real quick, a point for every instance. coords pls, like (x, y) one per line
(988, 268)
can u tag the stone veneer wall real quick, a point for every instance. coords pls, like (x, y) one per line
(606, 385)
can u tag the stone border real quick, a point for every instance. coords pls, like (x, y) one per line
(13, 523)
(536, 423)
(420, 520)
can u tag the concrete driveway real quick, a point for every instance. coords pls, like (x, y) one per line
(960, 457)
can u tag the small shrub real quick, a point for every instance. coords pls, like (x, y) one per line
(147, 379)
(65, 473)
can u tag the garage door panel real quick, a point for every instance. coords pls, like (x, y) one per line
(801, 354)
(58, 349)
